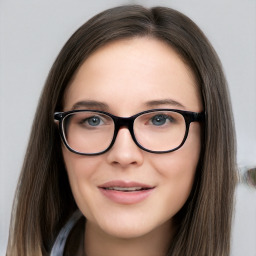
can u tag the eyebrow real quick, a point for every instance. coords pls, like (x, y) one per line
(90, 104)
(155, 103)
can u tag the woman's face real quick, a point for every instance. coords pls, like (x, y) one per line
(123, 78)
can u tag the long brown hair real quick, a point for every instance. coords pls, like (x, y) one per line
(44, 200)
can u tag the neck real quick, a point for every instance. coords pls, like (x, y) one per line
(98, 243)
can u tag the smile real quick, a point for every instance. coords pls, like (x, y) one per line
(131, 189)
(126, 192)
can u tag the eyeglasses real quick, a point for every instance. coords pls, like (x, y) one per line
(90, 132)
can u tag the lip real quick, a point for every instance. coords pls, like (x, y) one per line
(123, 192)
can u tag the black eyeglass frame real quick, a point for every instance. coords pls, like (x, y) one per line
(128, 122)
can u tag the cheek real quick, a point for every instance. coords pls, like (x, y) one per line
(182, 161)
(81, 171)
(178, 169)
(79, 166)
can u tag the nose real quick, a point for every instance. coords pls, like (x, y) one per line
(125, 152)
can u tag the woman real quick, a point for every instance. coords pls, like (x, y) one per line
(140, 102)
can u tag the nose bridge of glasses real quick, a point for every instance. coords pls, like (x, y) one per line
(124, 122)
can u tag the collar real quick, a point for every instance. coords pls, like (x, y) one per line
(70, 239)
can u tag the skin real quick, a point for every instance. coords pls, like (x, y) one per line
(126, 76)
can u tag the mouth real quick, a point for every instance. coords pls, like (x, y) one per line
(118, 185)
(125, 189)
(126, 192)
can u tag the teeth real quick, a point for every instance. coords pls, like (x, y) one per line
(124, 189)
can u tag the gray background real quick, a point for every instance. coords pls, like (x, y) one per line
(31, 35)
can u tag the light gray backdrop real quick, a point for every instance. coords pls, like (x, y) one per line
(31, 34)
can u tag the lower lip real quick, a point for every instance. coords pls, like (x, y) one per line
(121, 197)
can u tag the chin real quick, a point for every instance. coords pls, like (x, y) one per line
(130, 227)
(124, 232)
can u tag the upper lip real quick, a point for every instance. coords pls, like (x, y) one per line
(125, 184)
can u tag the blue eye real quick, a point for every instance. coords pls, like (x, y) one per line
(94, 121)
(91, 121)
(159, 120)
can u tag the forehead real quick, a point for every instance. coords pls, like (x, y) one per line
(130, 72)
